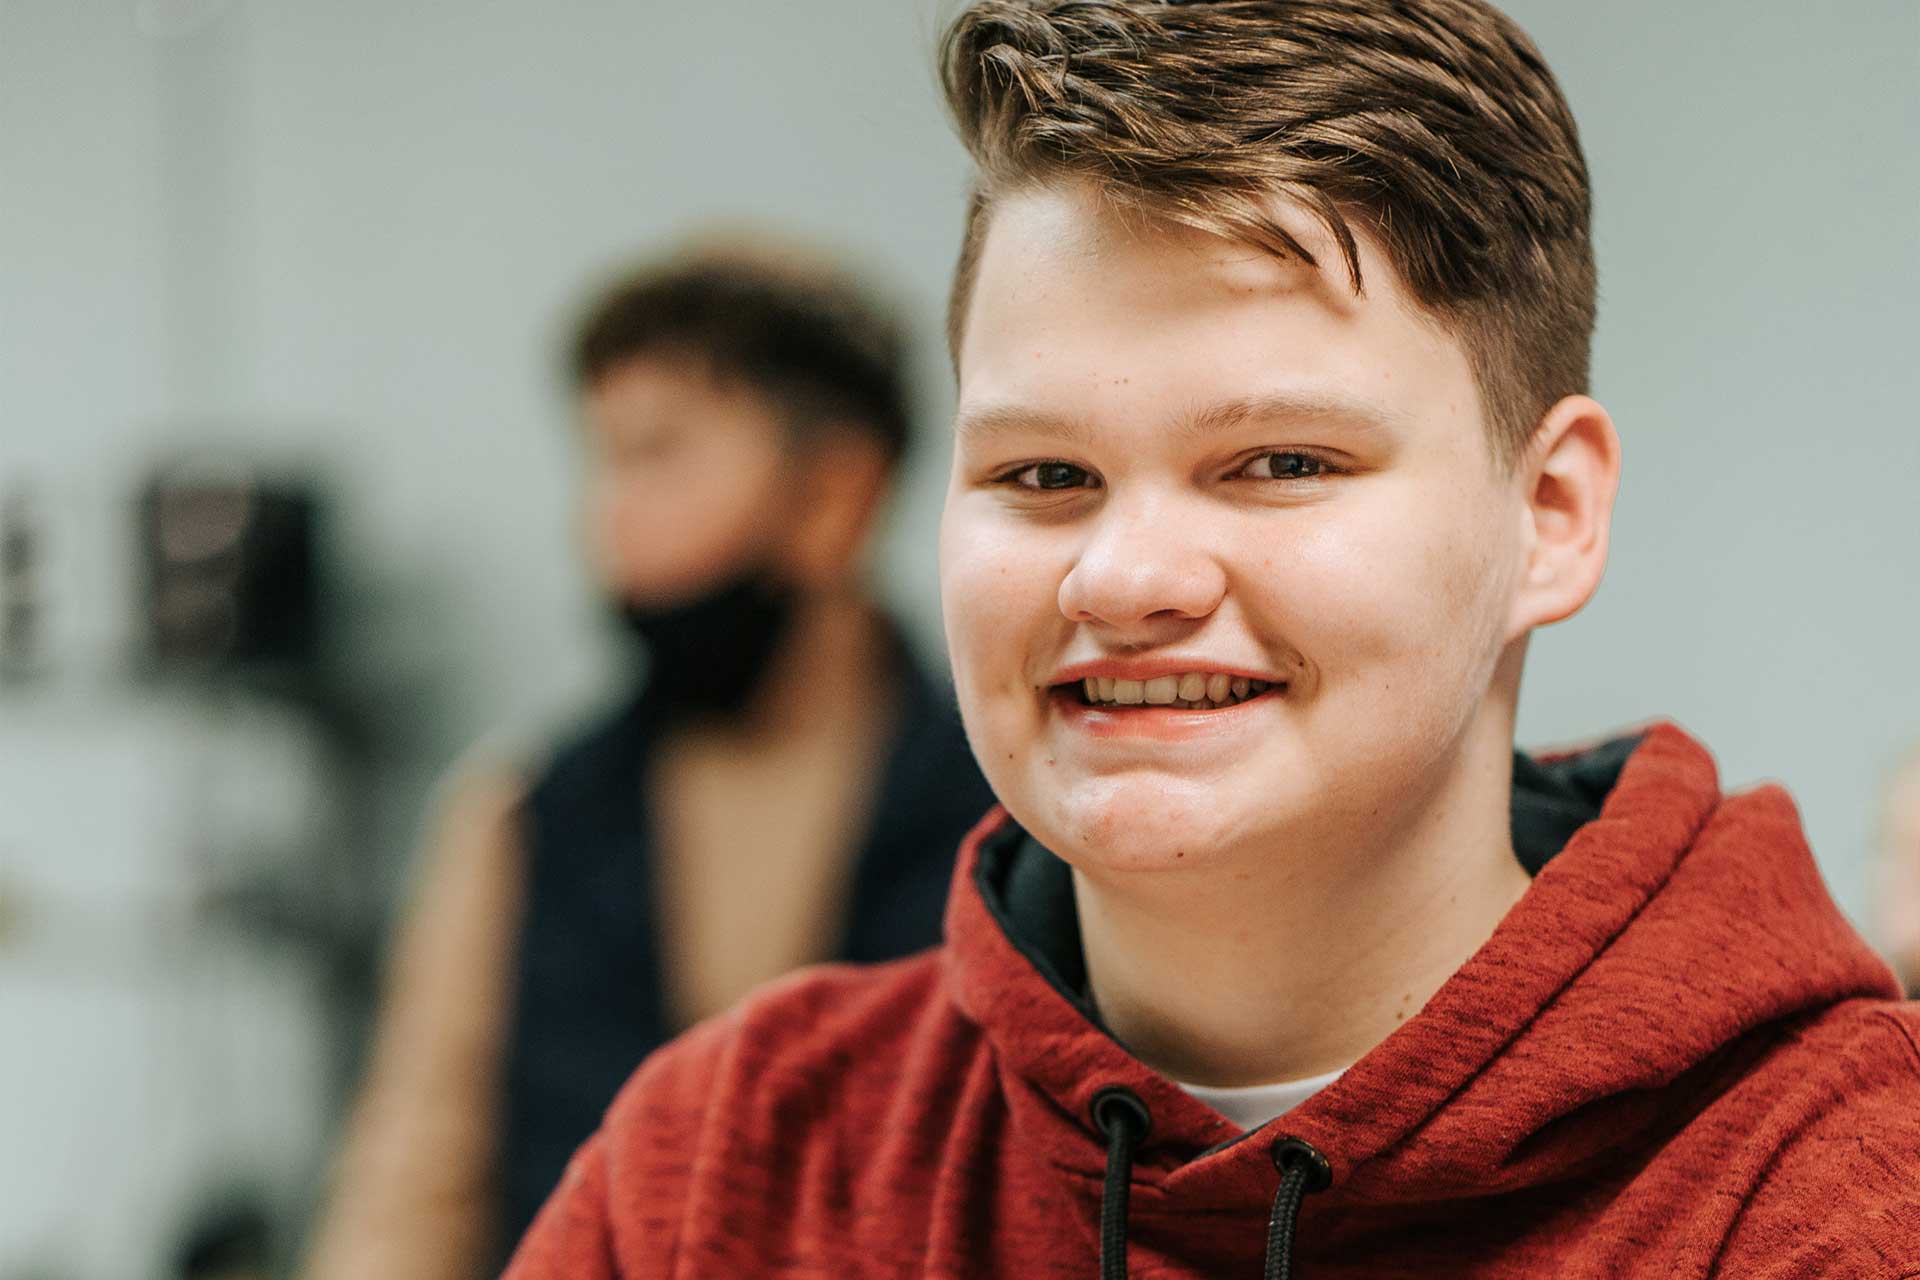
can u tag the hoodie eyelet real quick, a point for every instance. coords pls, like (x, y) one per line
(1303, 1171)
(1119, 1105)
(1292, 1151)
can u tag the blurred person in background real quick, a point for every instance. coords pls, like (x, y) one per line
(1897, 900)
(784, 785)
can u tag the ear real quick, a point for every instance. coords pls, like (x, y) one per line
(846, 475)
(1569, 475)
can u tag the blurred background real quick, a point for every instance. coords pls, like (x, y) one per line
(287, 479)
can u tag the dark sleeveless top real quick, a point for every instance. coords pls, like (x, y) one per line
(591, 1001)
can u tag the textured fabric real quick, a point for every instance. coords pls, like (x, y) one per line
(591, 1001)
(1672, 1058)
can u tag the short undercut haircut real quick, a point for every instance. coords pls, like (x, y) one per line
(800, 333)
(1435, 125)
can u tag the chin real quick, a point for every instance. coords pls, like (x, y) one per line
(1131, 824)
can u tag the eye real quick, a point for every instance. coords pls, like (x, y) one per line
(1285, 465)
(1049, 476)
(640, 448)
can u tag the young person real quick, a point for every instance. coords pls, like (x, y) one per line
(784, 785)
(1273, 448)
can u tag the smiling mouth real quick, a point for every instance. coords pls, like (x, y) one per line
(1191, 691)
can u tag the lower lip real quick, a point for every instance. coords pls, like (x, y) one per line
(1163, 724)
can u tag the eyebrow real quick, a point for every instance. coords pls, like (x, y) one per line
(1319, 407)
(989, 421)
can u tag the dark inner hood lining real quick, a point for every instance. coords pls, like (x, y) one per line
(1029, 890)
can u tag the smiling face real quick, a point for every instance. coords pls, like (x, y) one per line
(1260, 513)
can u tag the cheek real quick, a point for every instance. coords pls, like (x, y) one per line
(601, 530)
(999, 600)
(1407, 597)
(987, 582)
(657, 535)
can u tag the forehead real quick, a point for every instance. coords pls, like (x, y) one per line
(1081, 308)
(667, 389)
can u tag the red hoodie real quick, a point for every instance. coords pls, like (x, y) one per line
(1673, 1058)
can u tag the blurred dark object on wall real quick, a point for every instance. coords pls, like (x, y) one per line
(20, 587)
(230, 1241)
(232, 574)
(234, 602)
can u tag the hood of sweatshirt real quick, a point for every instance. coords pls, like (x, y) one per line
(1669, 936)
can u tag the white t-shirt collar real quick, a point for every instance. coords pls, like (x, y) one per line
(1254, 1105)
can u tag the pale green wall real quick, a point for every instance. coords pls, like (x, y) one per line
(347, 232)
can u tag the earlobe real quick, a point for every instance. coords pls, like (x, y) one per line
(1571, 474)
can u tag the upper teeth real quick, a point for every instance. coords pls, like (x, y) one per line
(1190, 688)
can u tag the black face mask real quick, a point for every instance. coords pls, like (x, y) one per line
(707, 655)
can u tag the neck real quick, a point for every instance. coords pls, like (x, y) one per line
(1298, 960)
(832, 673)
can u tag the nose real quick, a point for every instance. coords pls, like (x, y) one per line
(1142, 564)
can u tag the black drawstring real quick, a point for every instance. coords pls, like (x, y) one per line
(1303, 1171)
(1124, 1119)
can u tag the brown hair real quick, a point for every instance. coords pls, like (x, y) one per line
(777, 320)
(1434, 124)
